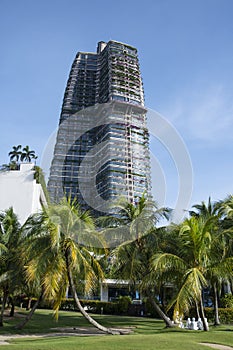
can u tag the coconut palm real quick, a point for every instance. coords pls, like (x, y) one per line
(221, 212)
(228, 204)
(226, 212)
(10, 257)
(61, 252)
(15, 154)
(187, 264)
(205, 210)
(42, 265)
(194, 264)
(220, 271)
(138, 242)
(210, 210)
(27, 155)
(131, 221)
(131, 261)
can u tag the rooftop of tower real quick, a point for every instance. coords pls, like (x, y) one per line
(116, 42)
(102, 44)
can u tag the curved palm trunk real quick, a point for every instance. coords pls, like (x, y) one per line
(160, 312)
(29, 316)
(81, 309)
(83, 312)
(216, 314)
(5, 295)
(204, 321)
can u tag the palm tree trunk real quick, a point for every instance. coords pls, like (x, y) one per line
(204, 320)
(4, 299)
(12, 311)
(81, 309)
(29, 304)
(197, 309)
(160, 312)
(227, 287)
(216, 314)
(30, 314)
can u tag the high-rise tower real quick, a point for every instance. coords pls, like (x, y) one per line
(101, 150)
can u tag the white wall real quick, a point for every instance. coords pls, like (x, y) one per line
(19, 190)
(103, 292)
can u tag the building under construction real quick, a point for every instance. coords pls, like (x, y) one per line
(102, 149)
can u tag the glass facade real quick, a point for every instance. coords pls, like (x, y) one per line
(102, 149)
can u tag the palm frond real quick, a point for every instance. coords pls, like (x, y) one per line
(189, 292)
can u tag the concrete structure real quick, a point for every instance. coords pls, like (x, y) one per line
(102, 149)
(111, 289)
(18, 189)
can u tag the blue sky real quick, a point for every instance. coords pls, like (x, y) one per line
(186, 53)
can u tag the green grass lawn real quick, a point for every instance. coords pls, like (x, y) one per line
(148, 334)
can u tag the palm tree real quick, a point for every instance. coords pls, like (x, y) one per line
(226, 223)
(139, 239)
(41, 262)
(131, 261)
(205, 210)
(209, 210)
(193, 264)
(187, 265)
(15, 154)
(27, 155)
(132, 220)
(226, 209)
(60, 253)
(10, 257)
(221, 212)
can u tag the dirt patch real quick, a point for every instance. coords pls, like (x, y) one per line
(217, 346)
(90, 330)
(65, 332)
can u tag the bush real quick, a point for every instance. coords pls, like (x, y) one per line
(123, 304)
(93, 306)
(225, 314)
(227, 301)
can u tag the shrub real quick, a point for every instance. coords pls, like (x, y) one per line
(225, 314)
(227, 301)
(93, 306)
(123, 304)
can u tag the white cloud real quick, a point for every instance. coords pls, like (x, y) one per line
(204, 113)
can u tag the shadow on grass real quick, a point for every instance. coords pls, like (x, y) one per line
(44, 322)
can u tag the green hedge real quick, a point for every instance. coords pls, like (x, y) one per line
(124, 307)
(93, 306)
(225, 314)
(119, 307)
(227, 301)
(98, 307)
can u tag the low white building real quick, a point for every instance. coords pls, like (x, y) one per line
(111, 289)
(19, 189)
